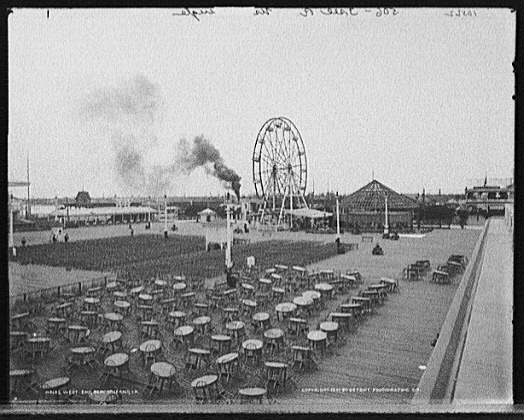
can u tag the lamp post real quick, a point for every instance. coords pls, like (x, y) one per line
(165, 216)
(229, 263)
(338, 219)
(11, 229)
(386, 224)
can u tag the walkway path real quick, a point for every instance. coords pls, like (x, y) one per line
(485, 373)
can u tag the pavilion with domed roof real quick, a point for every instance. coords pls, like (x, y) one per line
(365, 209)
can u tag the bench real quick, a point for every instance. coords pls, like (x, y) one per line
(367, 238)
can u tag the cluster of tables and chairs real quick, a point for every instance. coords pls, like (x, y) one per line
(226, 342)
(455, 265)
(417, 271)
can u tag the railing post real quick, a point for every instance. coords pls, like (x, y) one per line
(58, 289)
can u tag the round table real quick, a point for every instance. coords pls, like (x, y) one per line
(116, 362)
(163, 371)
(112, 338)
(278, 293)
(160, 283)
(103, 396)
(236, 328)
(311, 294)
(364, 301)
(285, 309)
(136, 290)
(177, 317)
(20, 378)
(261, 319)
(252, 350)
(254, 393)
(201, 324)
(303, 304)
(114, 320)
(56, 324)
(64, 309)
(52, 386)
(252, 344)
(112, 286)
(145, 297)
(297, 325)
(201, 308)
(276, 277)
(38, 346)
(90, 318)
(277, 371)
(120, 295)
(81, 353)
(317, 340)
(206, 387)
(223, 342)
(185, 334)
(198, 356)
(325, 289)
(76, 332)
(92, 303)
(270, 271)
(302, 357)
(178, 287)
(204, 381)
(230, 314)
(343, 319)
(354, 308)
(247, 286)
(248, 306)
(274, 338)
(93, 291)
(264, 282)
(330, 328)
(226, 364)
(150, 346)
(122, 305)
(226, 358)
(186, 299)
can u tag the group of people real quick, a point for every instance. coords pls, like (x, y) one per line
(54, 238)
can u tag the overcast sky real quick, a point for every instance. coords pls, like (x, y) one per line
(419, 98)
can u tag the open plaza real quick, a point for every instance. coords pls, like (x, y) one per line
(302, 324)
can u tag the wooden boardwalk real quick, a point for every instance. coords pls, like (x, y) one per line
(388, 347)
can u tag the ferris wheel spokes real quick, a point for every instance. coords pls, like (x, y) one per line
(279, 166)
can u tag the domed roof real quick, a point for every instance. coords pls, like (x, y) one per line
(371, 197)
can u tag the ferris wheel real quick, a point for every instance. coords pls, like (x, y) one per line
(279, 166)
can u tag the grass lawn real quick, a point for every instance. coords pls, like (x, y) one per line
(145, 256)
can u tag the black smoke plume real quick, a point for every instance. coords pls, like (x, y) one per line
(129, 115)
(203, 154)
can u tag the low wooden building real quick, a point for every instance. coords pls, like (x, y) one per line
(365, 209)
